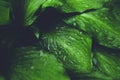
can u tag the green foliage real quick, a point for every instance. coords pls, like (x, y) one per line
(30, 63)
(74, 5)
(108, 64)
(102, 24)
(72, 47)
(76, 39)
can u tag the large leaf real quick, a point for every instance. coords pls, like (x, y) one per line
(4, 12)
(74, 5)
(30, 63)
(103, 25)
(31, 7)
(108, 64)
(25, 10)
(71, 47)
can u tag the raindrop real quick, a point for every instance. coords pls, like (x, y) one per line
(94, 61)
(74, 24)
(81, 38)
(74, 19)
(61, 4)
(106, 17)
(48, 46)
(80, 32)
(68, 43)
(41, 53)
(57, 27)
(56, 53)
(87, 6)
(96, 30)
(64, 58)
(72, 38)
(32, 67)
(44, 37)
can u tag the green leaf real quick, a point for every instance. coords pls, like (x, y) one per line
(108, 64)
(30, 63)
(2, 78)
(24, 10)
(74, 5)
(31, 6)
(4, 12)
(102, 24)
(98, 75)
(71, 47)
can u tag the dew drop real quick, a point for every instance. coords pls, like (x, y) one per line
(106, 18)
(64, 58)
(71, 62)
(74, 24)
(57, 27)
(80, 32)
(94, 61)
(41, 53)
(81, 38)
(87, 6)
(96, 30)
(68, 43)
(61, 4)
(72, 38)
(48, 46)
(32, 67)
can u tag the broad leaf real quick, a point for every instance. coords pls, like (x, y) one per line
(103, 25)
(108, 64)
(74, 5)
(30, 63)
(71, 47)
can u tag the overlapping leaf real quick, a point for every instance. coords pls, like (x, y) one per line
(74, 5)
(30, 63)
(108, 64)
(103, 25)
(71, 47)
